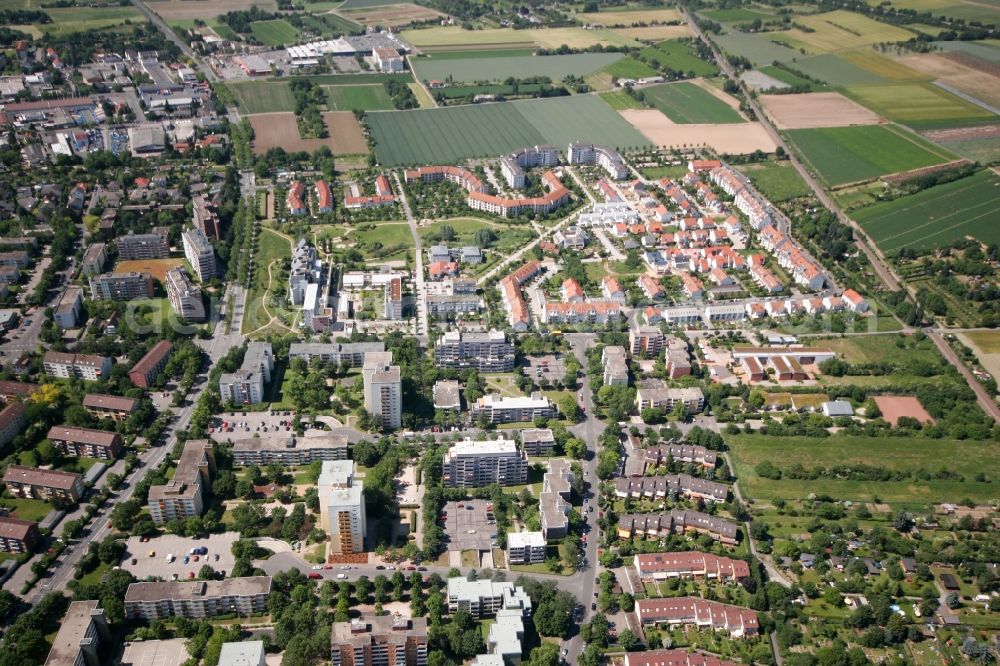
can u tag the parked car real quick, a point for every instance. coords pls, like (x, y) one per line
(316, 576)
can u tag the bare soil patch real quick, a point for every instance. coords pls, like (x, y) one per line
(895, 406)
(156, 267)
(956, 69)
(655, 33)
(191, 9)
(730, 138)
(274, 130)
(391, 15)
(812, 110)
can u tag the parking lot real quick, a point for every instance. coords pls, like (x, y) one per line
(262, 423)
(157, 566)
(550, 366)
(468, 526)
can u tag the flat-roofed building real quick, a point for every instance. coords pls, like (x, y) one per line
(142, 246)
(342, 507)
(12, 422)
(383, 389)
(94, 258)
(615, 366)
(689, 564)
(678, 657)
(662, 487)
(181, 496)
(447, 395)
(471, 464)
(607, 158)
(203, 217)
(537, 441)
(379, 640)
(18, 536)
(336, 353)
(84, 366)
(115, 407)
(503, 409)
(290, 451)
(525, 548)
(43, 484)
(647, 340)
(197, 599)
(67, 312)
(677, 521)
(246, 385)
(694, 611)
(184, 296)
(553, 501)
(484, 597)
(74, 441)
(145, 371)
(244, 653)
(82, 632)
(488, 351)
(200, 254)
(121, 286)
(666, 399)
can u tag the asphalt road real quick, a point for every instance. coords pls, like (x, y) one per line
(155, 19)
(422, 325)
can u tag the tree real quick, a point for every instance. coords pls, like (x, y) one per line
(546, 654)
(206, 572)
(628, 640)
(124, 514)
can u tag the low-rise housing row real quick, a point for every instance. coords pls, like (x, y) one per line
(694, 611)
(690, 564)
(677, 521)
(661, 487)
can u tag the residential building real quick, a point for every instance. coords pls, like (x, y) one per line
(802, 355)
(18, 536)
(689, 564)
(181, 496)
(67, 312)
(677, 521)
(143, 246)
(474, 464)
(199, 253)
(73, 441)
(11, 390)
(448, 305)
(678, 657)
(611, 289)
(553, 501)
(12, 422)
(606, 158)
(294, 201)
(615, 366)
(678, 360)
(388, 60)
(383, 389)
(342, 507)
(537, 441)
(655, 456)
(666, 399)
(393, 299)
(512, 166)
(82, 633)
(121, 286)
(115, 407)
(647, 340)
(94, 258)
(446, 394)
(244, 653)
(144, 373)
(379, 640)
(305, 270)
(484, 598)
(556, 196)
(198, 598)
(335, 353)
(204, 218)
(500, 409)
(184, 296)
(695, 611)
(486, 352)
(246, 385)
(43, 484)
(292, 451)
(663, 487)
(525, 548)
(589, 312)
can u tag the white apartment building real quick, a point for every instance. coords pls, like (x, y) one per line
(383, 389)
(606, 158)
(199, 253)
(292, 451)
(184, 296)
(525, 548)
(84, 366)
(342, 507)
(352, 353)
(483, 598)
(67, 313)
(197, 599)
(246, 385)
(499, 409)
(471, 464)
(489, 351)
(181, 496)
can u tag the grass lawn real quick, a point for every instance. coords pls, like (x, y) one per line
(921, 105)
(270, 248)
(26, 509)
(679, 57)
(687, 103)
(630, 68)
(465, 229)
(620, 100)
(358, 98)
(778, 181)
(274, 33)
(903, 454)
(262, 96)
(386, 242)
(95, 576)
(470, 558)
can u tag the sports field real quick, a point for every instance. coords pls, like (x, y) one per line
(556, 67)
(921, 105)
(274, 33)
(893, 453)
(358, 98)
(156, 267)
(840, 30)
(612, 19)
(449, 135)
(262, 96)
(686, 103)
(937, 216)
(848, 154)
(678, 57)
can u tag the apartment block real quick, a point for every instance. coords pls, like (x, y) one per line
(43, 484)
(383, 389)
(447, 395)
(18, 536)
(662, 487)
(73, 441)
(94, 258)
(184, 296)
(103, 406)
(181, 496)
(486, 352)
(606, 158)
(143, 246)
(553, 501)
(242, 653)
(472, 464)
(615, 366)
(145, 371)
(197, 599)
(537, 441)
(525, 548)
(393, 299)
(67, 311)
(342, 507)
(82, 632)
(204, 218)
(655, 456)
(11, 390)
(121, 286)
(12, 422)
(83, 366)
(485, 598)
(335, 353)
(501, 409)
(200, 254)
(677, 521)
(694, 611)
(666, 399)
(689, 564)
(648, 340)
(246, 385)
(379, 640)
(293, 451)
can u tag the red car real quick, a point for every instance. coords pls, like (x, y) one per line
(316, 576)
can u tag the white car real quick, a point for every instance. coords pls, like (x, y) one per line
(317, 567)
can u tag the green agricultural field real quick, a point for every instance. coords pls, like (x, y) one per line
(678, 57)
(357, 79)
(758, 48)
(840, 30)
(785, 76)
(778, 181)
(449, 135)
(739, 15)
(848, 154)
(834, 70)
(892, 453)
(630, 68)
(687, 103)
(262, 96)
(986, 50)
(274, 33)
(361, 4)
(620, 100)
(371, 97)
(555, 67)
(938, 216)
(67, 20)
(920, 105)
(452, 36)
(985, 150)
(469, 54)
